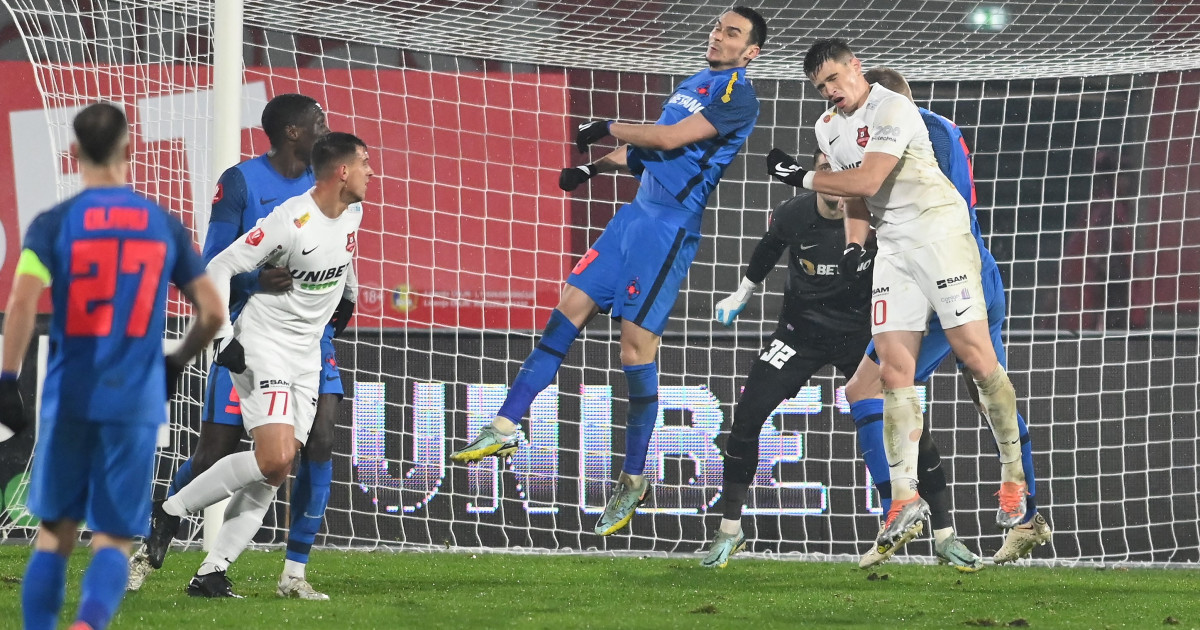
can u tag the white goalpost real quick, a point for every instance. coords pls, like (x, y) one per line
(1082, 118)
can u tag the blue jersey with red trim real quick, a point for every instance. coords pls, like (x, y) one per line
(954, 158)
(685, 177)
(246, 193)
(110, 253)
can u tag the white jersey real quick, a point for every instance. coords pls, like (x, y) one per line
(917, 204)
(318, 250)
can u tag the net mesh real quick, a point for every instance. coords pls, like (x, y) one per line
(1082, 118)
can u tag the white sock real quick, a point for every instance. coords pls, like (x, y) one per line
(243, 519)
(731, 526)
(902, 426)
(230, 474)
(212, 567)
(940, 535)
(998, 397)
(504, 425)
(291, 568)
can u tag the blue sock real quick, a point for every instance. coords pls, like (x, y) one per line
(1027, 465)
(540, 366)
(310, 496)
(103, 587)
(643, 413)
(43, 589)
(868, 420)
(183, 477)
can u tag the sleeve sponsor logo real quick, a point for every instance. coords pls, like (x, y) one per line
(886, 133)
(255, 236)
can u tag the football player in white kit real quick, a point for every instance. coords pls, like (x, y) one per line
(928, 261)
(273, 349)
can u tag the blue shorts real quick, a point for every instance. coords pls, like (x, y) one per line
(935, 347)
(98, 472)
(635, 269)
(221, 402)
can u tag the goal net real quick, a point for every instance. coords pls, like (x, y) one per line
(1082, 118)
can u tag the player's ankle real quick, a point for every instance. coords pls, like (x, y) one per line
(940, 535)
(291, 568)
(730, 526)
(504, 425)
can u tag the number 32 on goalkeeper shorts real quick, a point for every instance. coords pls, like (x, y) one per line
(879, 312)
(778, 353)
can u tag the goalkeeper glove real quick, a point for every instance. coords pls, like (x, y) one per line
(727, 310)
(854, 261)
(781, 166)
(341, 316)
(175, 368)
(590, 133)
(12, 408)
(232, 356)
(571, 177)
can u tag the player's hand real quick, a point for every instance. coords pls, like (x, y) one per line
(341, 316)
(590, 133)
(232, 356)
(12, 408)
(275, 279)
(852, 263)
(781, 166)
(570, 178)
(175, 367)
(728, 309)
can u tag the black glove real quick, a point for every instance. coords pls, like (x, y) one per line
(781, 166)
(341, 316)
(12, 408)
(233, 357)
(175, 369)
(590, 133)
(571, 177)
(852, 258)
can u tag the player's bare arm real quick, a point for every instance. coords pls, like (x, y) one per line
(20, 317)
(857, 220)
(203, 294)
(692, 129)
(862, 181)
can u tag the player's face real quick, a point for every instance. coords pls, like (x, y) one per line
(315, 129)
(829, 205)
(729, 43)
(358, 175)
(842, 83)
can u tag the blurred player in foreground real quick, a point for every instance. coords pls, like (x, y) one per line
(634, 270)
(107, 254)
(273, 347)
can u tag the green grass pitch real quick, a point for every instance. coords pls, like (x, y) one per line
(461, 590)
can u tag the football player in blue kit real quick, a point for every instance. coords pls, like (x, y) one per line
(635, 269)
(107, 255)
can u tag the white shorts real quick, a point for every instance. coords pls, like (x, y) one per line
(941, 277)
(278, 386)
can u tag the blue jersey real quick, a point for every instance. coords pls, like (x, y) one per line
(246, 193)
(109, 253)
(685, 177)
(954, 158)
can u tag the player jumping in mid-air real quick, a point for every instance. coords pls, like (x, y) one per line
(825, 320)
(865, 394)
(928, 261)
(246, 193)
(636, 267)
(107, 255)
(273, 347)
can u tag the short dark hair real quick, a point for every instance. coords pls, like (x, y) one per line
(286, 110)
(334, 149)
(99, 131)
(817, 155)
(758, 25)
(889, 79)
(823, 50)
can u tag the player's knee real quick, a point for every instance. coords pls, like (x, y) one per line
(897, 374)
(861, 388)
(275, 462)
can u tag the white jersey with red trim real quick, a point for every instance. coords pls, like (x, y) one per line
(318, 250)
(916, 204)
